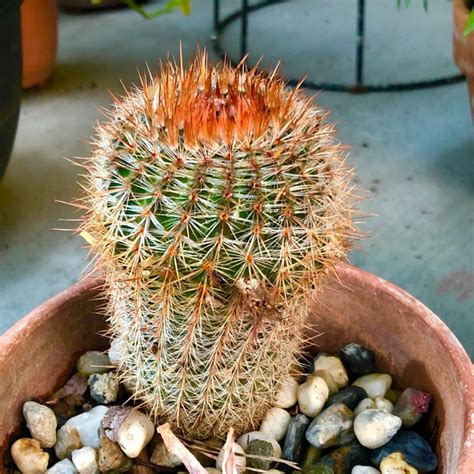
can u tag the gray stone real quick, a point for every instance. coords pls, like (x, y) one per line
(332, 427)
(162, 457)
(41, 422)
(104, 387)
(293, 445)
(93, 362)
(62, 467)
(259, 447)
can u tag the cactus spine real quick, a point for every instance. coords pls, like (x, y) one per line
(217, 199)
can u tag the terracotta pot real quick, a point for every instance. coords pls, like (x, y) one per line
(463, 48)
(39, 24)
(10, 77)
(39, 352)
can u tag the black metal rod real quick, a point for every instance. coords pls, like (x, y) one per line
(244, 28)
(360, 43)
(358, 87)
(216, 14)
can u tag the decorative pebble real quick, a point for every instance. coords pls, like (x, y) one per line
(358, 359)
(246, 438)
(275, 423)
(29, 457)
(162, 457)
(93, 362)
(239, 460)
(259, 447)
(312, 455)
(349, 396)
(62, 467)
(68, 439)
(41, 422)
(115, 352)
(364, 470)
(332, 427)
(411, 406)
(341, 460)
(374, 428)
(293, 445)
(383, 404)
(395, 464)
(312, 395)
(213, 470)
(87, 424)
(316, 469)
(328, 378)
(365, 404)
(414, 448)
(286, 395)
(104, 387)
(374, 384)
(135, 433)
(111, 457)
(334, 366)
(85, 460)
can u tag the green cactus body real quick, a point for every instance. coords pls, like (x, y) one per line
(216, 199)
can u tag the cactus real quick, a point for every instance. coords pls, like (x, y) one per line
(215, 200)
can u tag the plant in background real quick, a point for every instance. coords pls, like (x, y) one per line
(169, 7)
(216, 201)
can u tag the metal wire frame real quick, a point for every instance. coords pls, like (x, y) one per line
(359, 85)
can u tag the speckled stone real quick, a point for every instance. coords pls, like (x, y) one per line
(293, 445)
(311, 456)
(412, 446)
(93, 362)
(259, 447)
(104, 387)
(358, 359)
(342, 459)
(332, 427)
(41, 422)
(111, 457)
(349, 396)
(411, 406)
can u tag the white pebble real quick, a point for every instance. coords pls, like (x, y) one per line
(286, 395)
(62, 467)
(364, 470)
(365, 404)
(335, 367)
(239, 460)
(383, 404)
(115, 352)
(329, 379)
(275, 424)
(374, 428)
(85, 460)
(41, 422)
(374, 384)
(135, 433)
(87, 425)
(246, 438)
(312, 395)
(29, 457)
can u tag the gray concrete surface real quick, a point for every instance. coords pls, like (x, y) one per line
(414, 151)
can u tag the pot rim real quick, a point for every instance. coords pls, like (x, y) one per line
(459, 357)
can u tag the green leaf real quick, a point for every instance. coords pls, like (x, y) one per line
(169, 7)
(469, 26)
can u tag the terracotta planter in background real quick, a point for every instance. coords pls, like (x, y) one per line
(39, 25)
(39, 353)
(463, 48)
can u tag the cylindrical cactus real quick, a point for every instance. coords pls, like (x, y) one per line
(216, 198)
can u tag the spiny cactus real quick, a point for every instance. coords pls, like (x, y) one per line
(216, 199)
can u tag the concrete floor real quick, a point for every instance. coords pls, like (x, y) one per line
(414, 151)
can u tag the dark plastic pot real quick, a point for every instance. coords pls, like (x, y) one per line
(10, 77)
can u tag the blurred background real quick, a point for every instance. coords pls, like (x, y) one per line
(413, 149)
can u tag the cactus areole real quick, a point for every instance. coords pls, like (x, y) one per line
(216, 198)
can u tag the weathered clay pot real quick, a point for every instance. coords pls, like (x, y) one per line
(463, 47)
(39, 32)
(39, 352)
